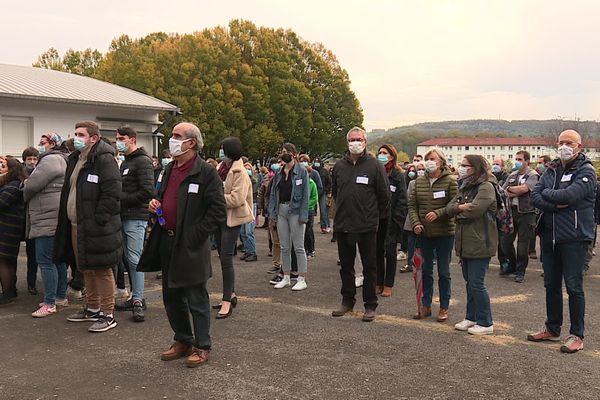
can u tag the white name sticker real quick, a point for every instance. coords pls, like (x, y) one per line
(298, 182)
(566, 178)
(159, 180)
(125, 171)
(522, 180)
(363, 180)
(439, 195)
(92, 178)
(511, 180)
(193, 188)
(392, 188)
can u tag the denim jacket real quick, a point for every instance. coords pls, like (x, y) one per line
(300, 193)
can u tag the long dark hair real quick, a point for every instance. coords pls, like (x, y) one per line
(481, 168)
(16, 172)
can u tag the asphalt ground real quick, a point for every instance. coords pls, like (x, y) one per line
(280, 344)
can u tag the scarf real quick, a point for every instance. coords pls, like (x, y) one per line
(388, 167)
(224, 170)
(464, 182)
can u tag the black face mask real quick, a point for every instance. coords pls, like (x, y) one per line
(286, 158)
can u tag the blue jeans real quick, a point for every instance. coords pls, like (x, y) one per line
(442, 246)
(247, 234)
(411, 245)
(323, 212)
(134, 231)
(291, 232)
(54, 275)
(478, 299)
(564, 260)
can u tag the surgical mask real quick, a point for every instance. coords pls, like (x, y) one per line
(304, 164)
(122, 147)
(175, 147)
(431, 166)
(356, 147)
(222, 154)
(286, 158)
(421, 172)
(382, 158)
(462, 171)
(249, 172)
(165, 161)
(79, 143)
(412, 174)
(540, 168)
(565, 152)
(121, 157)
(518, 165)
(496, 168)
(316, 165)
(275, 167)
(41, 149)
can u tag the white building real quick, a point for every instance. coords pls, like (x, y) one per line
(504, 148)
(35, 100)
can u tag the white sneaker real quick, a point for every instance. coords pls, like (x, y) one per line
(300, 284)
(358, 281)
(401, 256)
(481, 330)
(283, 283)
(121, 293)
(464, 325)
(44, 311)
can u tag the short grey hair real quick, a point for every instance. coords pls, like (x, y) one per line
(193, 132)
(356, 129)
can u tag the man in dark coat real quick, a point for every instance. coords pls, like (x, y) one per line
(190, 205)
(89, 225)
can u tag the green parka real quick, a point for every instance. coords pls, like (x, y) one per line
(428, 197)
(476, 230)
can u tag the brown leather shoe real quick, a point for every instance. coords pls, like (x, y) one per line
(443, 315)
(387, 291)
(425, 312)
(368, 316)
(378, 289)
(340, 312)
(197, 358)
(177, 350)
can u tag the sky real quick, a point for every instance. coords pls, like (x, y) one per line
(409, 61)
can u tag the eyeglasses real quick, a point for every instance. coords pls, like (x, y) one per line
(465, 165)
(356, 140)
(159, 214)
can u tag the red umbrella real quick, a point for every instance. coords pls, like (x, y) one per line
(418, 277)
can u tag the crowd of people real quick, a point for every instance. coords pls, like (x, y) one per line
(103, 206)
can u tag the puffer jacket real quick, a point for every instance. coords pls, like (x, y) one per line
(41, 192)
(476, 230)
(575, 186)
(138, 185)
(426, 198)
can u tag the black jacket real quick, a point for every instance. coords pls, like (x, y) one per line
(99, 238)
(325, 180)
(361, 192)
(138, 185)
(198, 215)
(398, 207)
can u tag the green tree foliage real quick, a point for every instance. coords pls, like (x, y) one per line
(77, 62)
(266, 86)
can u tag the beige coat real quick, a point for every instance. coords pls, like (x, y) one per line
(238, 195)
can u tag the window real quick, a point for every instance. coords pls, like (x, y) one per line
(466, 147)
(459, 148)
(16, 135)
(510, 148)
(510, 156)
(501, 147)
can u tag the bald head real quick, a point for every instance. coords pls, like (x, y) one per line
(569, 145)
(569, 135)
(187, 130)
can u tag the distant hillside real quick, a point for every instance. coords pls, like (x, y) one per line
(405, 138)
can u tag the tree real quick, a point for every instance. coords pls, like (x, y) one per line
(76, 62)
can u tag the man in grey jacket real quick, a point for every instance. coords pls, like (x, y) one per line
(41, 192)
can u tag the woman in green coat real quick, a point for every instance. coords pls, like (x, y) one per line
(474, 209)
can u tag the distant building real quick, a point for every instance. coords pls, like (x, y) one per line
(505, 148)
(35, 100)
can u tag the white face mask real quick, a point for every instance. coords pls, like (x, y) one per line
(175, 147)
(421, 172)
(431, 166)
(565, 152)
(356, 147)
(462, 171)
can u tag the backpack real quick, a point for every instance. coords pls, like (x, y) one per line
(504, 218)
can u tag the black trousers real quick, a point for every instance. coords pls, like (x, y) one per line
(385, 256)
(309, 234)
(523, 232)
(347, 243)
(181, 302)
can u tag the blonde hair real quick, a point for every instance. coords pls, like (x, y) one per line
(440, 154)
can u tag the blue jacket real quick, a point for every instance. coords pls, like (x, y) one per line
(574, 186)
(300, 193)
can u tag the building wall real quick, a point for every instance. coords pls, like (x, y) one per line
(61, 118)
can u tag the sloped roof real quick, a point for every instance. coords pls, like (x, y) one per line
(475, 141)
(17, 81)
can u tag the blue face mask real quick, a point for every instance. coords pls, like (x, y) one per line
(222, 155)
(275, 167)
(304, 164)
(165, 161)
(249, 172)
(41, 149)
(382, 158)
(79, 143)
(121, 158)
(412, 174)
(518, 165)
(316, 165)
(122, 147)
